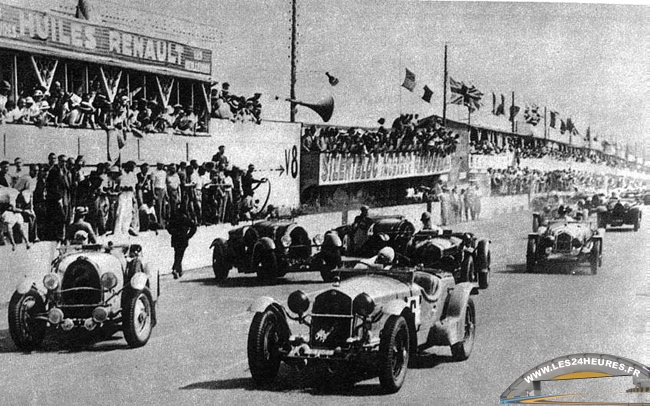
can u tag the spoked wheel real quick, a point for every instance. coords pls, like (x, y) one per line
(263, 348)
(26, 330)
(393, 354)
(462, 350)
(595, 257)
(531, 255)
(137, 318)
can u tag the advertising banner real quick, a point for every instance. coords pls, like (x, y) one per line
(336, 169)
(45, 31)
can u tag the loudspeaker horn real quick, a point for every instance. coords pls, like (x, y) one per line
(324, 108)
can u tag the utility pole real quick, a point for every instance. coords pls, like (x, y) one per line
(294, 35)
(444, 93)
(512, 109)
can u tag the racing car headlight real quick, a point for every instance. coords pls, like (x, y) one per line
(51, 281)
(363, 305)
(286, 241)
(318, 239)
(109, 280)
(298, 302)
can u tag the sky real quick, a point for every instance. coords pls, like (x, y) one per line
(588, 61)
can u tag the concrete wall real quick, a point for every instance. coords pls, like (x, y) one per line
(15, 265)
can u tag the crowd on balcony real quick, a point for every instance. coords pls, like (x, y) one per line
(406, 134)
(55, 200)
(539, 150)
(227, 106)
(514, 181)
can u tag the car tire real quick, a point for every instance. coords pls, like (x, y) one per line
(393, 354)
(265, 263)
(595, 257)
(137, 318)
(531, 255)
(467, 270)
(637, 222)
(264, 348)
(220, 264)
(26, 332)
(463, 349)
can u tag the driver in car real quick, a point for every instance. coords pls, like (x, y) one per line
(383, 260)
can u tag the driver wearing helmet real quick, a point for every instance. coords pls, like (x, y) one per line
(427, 224)
(383, 260)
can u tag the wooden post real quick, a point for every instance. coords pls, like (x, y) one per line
(444, 92)
(292, 83)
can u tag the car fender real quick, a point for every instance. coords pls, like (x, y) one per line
(139, 281)
(265, 303)
(394, 307)
(154, 280)
(266, 243)
(534, 236)
(456, 308)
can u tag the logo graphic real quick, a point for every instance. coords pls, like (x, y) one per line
(322, 335)
(527, 389)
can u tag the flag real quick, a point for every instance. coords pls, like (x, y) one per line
(333, 81)
(465, 95)
(588, 135)
(501, 108)
(514, 110)
(494, 103)
(409, 80)
(427, 94)
(562, 127)
(531, 115)
(554, 115)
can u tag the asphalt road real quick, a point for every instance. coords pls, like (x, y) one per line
(197, 354)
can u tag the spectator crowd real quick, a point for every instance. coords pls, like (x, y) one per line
(63, 200)
(227, 106)
(406, 134)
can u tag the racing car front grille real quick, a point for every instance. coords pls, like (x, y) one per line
(563, 242)
(330, 332)
(333, 302)
(81, 285)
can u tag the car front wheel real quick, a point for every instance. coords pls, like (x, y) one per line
(265, 263)
(531, 255)
(26, 330)
(393, 354)
(137, 316)
(219, 263)
(595, 257)
(462, 350)
(264, 347)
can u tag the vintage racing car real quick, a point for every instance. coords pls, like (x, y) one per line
(270, 248)
(372, 321)
(89, 286)
(566, 238)
(620, 211)
(356, 242)
(463, 254)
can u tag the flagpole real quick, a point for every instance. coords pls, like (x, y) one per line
(511, 110)
(444, 93)
(545, 135)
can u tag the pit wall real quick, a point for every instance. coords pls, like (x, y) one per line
(34, 263)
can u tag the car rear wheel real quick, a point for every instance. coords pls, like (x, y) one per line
(595, 257)
(531, 255)
(462, 350)
(26, 331)
(220, 265)
(264, 348)
(393, 354)
(138, 316)
(637, 222)
(265, 263)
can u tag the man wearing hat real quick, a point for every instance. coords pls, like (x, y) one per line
(445, 206)
(248, 181)
(159, 180)
(80, 231)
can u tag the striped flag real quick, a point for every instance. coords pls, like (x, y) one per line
(409, 80)
(465, 95)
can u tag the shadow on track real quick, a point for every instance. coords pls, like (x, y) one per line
(69, 342)
(551, 268)
(249, 282)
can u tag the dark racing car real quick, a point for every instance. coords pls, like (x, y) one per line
(467, 257)
(362, 241)
(620, 211)
(371, 322)
(270, 248)
(566, 238)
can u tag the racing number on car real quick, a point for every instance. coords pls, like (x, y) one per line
(291, 161)
(416, 310)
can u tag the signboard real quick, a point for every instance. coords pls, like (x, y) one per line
(336, 169)
(55, 32)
